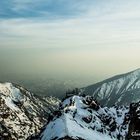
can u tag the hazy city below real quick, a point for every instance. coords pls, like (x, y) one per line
(44, 86)
(51, 73)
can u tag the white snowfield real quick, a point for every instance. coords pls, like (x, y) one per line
(80, 120)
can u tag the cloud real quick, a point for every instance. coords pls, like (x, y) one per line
(96, 24)
(43, 8)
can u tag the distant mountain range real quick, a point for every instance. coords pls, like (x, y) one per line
(120, 90)
(100, 111)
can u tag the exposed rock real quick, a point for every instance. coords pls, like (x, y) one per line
(22, 113)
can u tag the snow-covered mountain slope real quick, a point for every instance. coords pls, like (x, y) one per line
(82, 118)
(121, 90)
(22, 113)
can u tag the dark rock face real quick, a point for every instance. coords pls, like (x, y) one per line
(4, 133)
(91, 103)
(134, 126)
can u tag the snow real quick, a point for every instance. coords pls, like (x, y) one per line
(10, 104)
(11, 94)
(56, 128)
(75, 130)
(72, 124)
(7, 89)
(114, 90)
(23, 113)
(66, 126)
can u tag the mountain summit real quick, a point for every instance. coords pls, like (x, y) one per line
(82, 118)
(120, 90)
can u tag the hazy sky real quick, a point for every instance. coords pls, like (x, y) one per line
(87, 39)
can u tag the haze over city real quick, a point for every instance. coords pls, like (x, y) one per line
(86, 41)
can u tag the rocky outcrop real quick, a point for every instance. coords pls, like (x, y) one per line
(134, 126)
(22, 113)
(82, 118)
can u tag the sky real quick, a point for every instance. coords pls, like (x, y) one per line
(89, 40)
